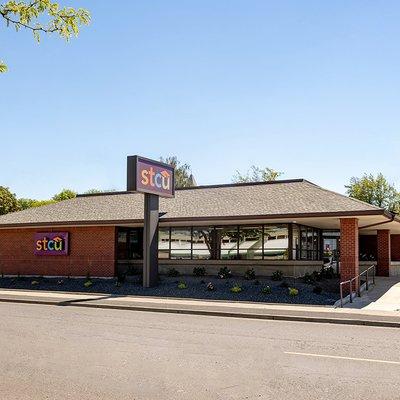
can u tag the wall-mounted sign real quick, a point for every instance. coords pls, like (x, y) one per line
(149, 176)
(51, 244)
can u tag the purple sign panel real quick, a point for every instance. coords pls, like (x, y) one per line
(51, 244)
(149, 176)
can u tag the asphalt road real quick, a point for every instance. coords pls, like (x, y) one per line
(50, 352)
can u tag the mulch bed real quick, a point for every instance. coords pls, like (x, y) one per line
(196, 288)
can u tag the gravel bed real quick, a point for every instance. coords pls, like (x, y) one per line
(196, 288)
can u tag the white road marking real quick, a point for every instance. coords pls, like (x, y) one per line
(342, 358)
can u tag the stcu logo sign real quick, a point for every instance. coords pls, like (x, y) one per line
(149, 176)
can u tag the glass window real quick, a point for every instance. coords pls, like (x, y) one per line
(181, 243)
(163, 243)
(276, 242)
(122, 245)
(135, 244)
(202, 243)
(228, 243)
(250, 243)
(296, 242)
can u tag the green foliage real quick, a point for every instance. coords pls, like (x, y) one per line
(88, 284)
(65, 194)
(172, 272)
(309, 278)
(250, 274)
(236, 288)
(182, 285)
(199, 271)
(8, 201)
(277, 275)
(224, 273)
(183, 173)
(374, 190)
(266, 290)
(257, 174)
(293, 292)
(24, 204)
(328, 273)
(43, 16)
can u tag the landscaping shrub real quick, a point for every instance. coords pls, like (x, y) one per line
(236, 288)
(210, 286)
(172, 272)
(328, 273)
(309, 278)
(293, 292)
(182, 285)
(266, 290)
(88, 283)
(277, 275)
(199, 271)
(224, 273)
(318, 289)
(250, 274)
(284, 285)
(317, 275)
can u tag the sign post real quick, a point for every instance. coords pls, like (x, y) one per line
(154, 179)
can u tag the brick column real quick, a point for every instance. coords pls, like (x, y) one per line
(383, 252)
(349, 250)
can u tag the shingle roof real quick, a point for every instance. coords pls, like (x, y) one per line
(266, 199)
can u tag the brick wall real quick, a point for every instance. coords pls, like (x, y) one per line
(383, 252)
(349, 248)
(91, 250)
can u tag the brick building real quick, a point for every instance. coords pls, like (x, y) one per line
(291, 225)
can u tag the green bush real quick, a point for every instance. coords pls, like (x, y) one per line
(224, 273)
(266, 290)
(236, 288)
(277, 275)
(172, 272)
(182, 285)
(250, 274)
(293, 292)
(328, 273)
(317, 275)
(309, 278)
(199, 271)
(88, 283)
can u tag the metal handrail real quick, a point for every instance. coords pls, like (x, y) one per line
(358, 287)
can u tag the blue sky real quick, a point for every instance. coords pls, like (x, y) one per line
(310, 88)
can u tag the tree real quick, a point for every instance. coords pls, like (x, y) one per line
(65, 194)
(62, 21)
(374, 190)
(8, 201)
(183, 173)
(24, 204)
(257, 174)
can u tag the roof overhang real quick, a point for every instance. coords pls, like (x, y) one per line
(369, 221)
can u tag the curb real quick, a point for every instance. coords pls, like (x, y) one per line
(276, 317)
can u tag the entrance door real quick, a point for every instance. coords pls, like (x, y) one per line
(331, 251)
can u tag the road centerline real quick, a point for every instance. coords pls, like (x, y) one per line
(342, 357)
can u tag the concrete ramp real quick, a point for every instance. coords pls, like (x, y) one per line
(384, 296)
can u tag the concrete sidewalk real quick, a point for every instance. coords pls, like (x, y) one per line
(322, 314)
